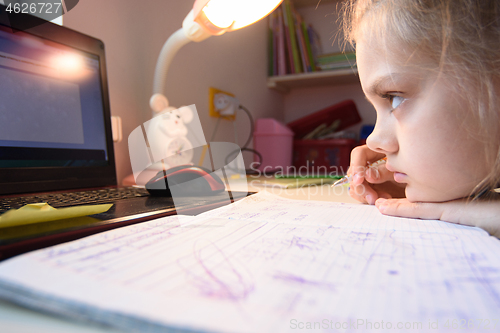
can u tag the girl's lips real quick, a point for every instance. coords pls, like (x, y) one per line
(400, 177)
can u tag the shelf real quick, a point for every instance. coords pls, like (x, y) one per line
(307, 3)
(285, 83)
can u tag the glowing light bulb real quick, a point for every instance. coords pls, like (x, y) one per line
(248, 12)
(220, 13)
(228, 15)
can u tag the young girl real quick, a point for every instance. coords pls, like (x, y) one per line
(431, 69)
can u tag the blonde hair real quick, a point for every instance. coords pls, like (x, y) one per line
(462, 37)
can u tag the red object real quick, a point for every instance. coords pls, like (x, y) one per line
(188, 180)
(329, 156)
(346, 111)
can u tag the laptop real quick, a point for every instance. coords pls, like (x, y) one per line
(55, 134)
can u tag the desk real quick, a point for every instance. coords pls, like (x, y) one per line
(14, 319)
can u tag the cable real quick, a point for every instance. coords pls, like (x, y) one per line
(245, 146)
(215, 129)
(235, 132)
(251, 126)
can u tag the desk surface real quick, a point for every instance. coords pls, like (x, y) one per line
(14, 319)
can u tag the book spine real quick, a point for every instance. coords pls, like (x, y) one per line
(288, 42)
(308, 47)
(315, 40)
(270, 47)
(335, 57)
(301, 42)
(276, 45)
(293, 40)
(282, 70)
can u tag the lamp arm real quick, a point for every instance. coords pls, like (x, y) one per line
(173, 44)
(190, 31)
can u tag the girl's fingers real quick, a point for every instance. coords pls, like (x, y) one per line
(363, 193)
(369, 193)
(360, 157)
(405, 208)
(378, 175)
(361, 187)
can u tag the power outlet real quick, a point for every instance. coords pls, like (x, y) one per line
(222, 104)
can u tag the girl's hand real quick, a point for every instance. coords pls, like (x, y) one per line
(482, 214)
(370, 184)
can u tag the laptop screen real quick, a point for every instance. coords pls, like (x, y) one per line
(51, 112)
(54, 109)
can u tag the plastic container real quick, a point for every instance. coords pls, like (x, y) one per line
(273, 140)
(323, 157)
(329, 156)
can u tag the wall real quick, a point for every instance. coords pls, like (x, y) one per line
(134, 33)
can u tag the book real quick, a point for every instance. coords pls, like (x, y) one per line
(271, 45)
(336, 60)
(297, 62)
(266, 264)
(293, 182)
(336, 57)
(315, 41)
(306, 66)
(288, 43)
(281, 48)
(310, 55)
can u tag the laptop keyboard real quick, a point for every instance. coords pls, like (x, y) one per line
(58, 200)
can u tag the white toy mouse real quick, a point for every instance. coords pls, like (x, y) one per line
(167, 133)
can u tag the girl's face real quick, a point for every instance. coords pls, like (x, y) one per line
(423, 125)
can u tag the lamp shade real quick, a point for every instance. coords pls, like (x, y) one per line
(219, 16)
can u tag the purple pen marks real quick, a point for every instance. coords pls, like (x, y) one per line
(303, 243)
(299, 280)
(217, 276)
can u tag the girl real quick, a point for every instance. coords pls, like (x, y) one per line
(431, 69)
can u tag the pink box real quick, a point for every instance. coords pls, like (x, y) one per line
(274, 141)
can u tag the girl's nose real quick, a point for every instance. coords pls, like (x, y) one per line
(383, 139)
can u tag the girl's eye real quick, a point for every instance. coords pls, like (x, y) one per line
(395, 101)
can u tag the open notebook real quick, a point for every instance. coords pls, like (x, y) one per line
(268, 264)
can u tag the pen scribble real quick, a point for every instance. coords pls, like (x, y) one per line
(217, 276)
(296, 279)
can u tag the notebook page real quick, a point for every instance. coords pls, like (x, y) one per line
(268, 207)
(223, 275)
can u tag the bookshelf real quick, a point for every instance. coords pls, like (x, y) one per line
(286, 83)
(305, 3)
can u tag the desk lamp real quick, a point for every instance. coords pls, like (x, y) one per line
(207, 18)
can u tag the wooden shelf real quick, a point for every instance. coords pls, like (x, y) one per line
(307, 3)
(285, 83)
